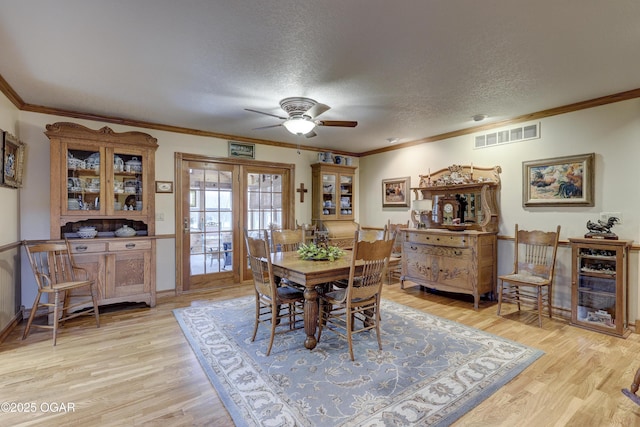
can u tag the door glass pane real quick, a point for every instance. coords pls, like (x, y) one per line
(211, 221)
(264, 200)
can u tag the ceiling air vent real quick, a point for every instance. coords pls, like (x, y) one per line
(507, 136)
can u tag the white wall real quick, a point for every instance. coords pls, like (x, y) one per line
(35, 206)
(611, 131)
(9, 232)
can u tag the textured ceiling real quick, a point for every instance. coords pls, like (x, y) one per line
(408, 69)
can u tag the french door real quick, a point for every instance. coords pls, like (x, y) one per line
(216, 200)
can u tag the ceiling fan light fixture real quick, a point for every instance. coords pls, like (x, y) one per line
(299, 125)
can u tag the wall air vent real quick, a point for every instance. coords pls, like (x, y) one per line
(507, 136)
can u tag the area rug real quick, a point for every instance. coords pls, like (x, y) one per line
(431, 371)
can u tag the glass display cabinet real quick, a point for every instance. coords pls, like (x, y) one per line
(599, 285)
(333, 189)
(102, 200)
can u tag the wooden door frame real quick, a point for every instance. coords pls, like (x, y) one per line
(238, 239)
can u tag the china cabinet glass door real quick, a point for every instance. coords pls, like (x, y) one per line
(346, 195)
(84, 181)
(128, 183)
(329, 201)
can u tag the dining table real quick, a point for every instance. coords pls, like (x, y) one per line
(312, 274)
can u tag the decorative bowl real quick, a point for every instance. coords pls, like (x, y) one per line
(89, 233)
(125, 231)
(456, 227)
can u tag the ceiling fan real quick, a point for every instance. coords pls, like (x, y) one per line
(302, 116)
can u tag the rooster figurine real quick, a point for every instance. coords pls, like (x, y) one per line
(601, 228)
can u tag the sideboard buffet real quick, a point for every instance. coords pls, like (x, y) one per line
(453, 247)
(104, 180)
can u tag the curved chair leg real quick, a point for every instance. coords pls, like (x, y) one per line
(349, 330)
(56, 316)
(540, 306)
(255, 325)
(274, 322)
(96, 310)
(499, 296)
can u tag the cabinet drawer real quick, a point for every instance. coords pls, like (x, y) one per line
(448, 251)
(130, 245)
(87, 247)
(438, 239)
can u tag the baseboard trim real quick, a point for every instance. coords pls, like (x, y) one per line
(12, 324)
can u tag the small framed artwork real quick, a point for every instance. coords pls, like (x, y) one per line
(395, 192)
(242, 150)
(12, 161)
(560, 181)
(164, 187)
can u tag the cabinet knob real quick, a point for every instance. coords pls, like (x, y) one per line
(81, 248)
(130, 245)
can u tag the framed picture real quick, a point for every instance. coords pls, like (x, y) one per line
(12, 161)
(395, 192)
(239, 149)
(164, 187)
(561, 181)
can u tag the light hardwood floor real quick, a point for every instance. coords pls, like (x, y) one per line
(138, 369)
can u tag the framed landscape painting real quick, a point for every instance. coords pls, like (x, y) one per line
(239, 149)
(560, 181)
(395, 192)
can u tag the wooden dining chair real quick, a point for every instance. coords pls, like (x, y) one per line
(277, 305)
(531, 281)
(371, 234)
(360, 300)
(364, 235)
(396, 270)
(57, 276)
(287, 241)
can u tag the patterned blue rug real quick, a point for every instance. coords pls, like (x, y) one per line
(431, 371)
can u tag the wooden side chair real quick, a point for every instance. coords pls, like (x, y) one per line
(531, 281)
(57, 276)
(270, 298)
(395, 270)
(360, 300)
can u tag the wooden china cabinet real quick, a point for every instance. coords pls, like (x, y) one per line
(333, 201)
(105, 180)
(452, 246)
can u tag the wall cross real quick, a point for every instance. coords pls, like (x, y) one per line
(302, 190)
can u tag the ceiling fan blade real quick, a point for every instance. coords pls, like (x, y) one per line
(310, 134)
(267, 127)
(338, 123)
(316, 110)
(266, 114)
